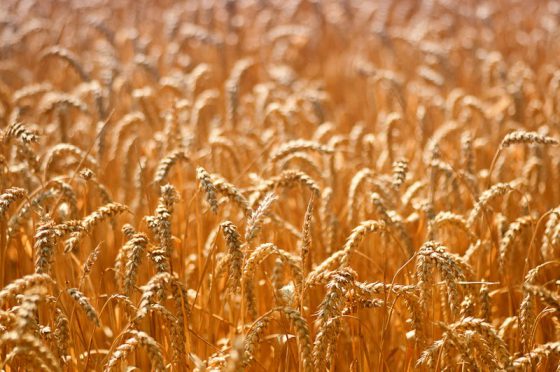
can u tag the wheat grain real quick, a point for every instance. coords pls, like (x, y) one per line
(134, 249)
(89, 222)
(30, 90)
(357, 235)
(299, 145)
(86, 306)
(62, 334)
(23, 284)
(207, 185)
(165, 165)
(129, 345)
(68, 56)
(357, 181)
(255, 221)
(286, 179)
(26, 343)
(306, 235)
(485, 198)
(231, 192)
(175, 327)
(535, 356)
(8, 197)
(514, 230)
(450, 219)
(393, 221)
(255, 258)
(328, 319)
(235, 256)
(433, 253)
(21, 132)
(526, 137)
(400, 169)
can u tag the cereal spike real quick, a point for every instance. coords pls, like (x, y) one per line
(84, 303)
(521, 136)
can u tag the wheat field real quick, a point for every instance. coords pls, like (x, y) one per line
(279, 185)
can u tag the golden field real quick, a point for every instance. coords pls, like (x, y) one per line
(289, 185)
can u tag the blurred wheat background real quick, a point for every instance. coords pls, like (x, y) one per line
(288, 185)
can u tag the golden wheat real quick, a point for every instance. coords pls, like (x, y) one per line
(308, 185)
